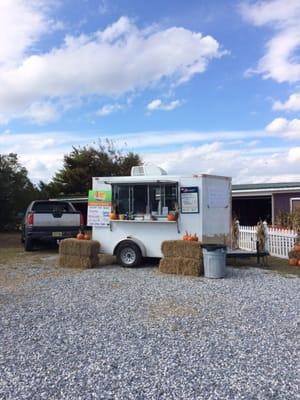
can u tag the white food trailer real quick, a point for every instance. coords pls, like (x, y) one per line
(143, 202)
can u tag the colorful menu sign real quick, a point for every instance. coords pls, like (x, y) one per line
(99, 206)
(189, 200)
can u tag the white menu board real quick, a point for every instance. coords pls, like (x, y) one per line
(99, 206)
(189, 200)
(98, 216)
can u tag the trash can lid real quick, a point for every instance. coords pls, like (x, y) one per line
(213, 246)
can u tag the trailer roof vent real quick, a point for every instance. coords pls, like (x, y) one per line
(147, 170)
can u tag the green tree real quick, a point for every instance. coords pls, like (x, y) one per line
(16, 190)
(83, 163)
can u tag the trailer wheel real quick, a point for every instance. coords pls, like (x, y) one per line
(129, 254)
(28, 244)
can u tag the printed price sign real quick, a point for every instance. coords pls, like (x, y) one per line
(189, 197)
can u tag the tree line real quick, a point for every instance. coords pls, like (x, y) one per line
(74, 178)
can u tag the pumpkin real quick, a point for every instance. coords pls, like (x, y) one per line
(113, 215)
(195, 238)
(171, 217)
(87, 236)
(80, 236)
(185, 237)
(293, 261)
(297, 247)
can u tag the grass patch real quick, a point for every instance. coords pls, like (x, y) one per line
(275, 264)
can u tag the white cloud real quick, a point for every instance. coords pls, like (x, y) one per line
(157, 104)
(120, 59)
(195, 152)
(291, 104)
(108, 109)
(285, 128)
(242, 165)
(41, 113)
(21, 24)
(294, 155)
(280, 61)
(270, 12)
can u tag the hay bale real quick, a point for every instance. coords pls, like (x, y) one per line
(182, 248)
(106, 259)
(294, 254)
(69, 261)
(167, 266)
(81, 248)
(181, 266)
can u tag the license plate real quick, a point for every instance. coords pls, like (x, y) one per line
(56, 234)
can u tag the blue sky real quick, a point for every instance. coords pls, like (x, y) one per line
(195, 86)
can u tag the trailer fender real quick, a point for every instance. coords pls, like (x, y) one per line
(136, 241)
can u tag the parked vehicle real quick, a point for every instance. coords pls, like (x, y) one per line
(131, 216)
(48, 220)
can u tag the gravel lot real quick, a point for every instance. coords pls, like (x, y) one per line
(114, 333)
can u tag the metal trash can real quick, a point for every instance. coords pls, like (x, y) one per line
(214, 259)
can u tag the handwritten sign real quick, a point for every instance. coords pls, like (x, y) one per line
(99, 206)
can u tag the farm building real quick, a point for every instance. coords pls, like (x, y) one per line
(252, 202)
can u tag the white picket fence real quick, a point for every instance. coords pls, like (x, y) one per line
(278, 241)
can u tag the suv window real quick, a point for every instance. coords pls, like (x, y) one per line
(51, 206)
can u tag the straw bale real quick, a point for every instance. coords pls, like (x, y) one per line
(294, 254)
(182, 248)
(68, 261)
(82, 248)
(181, 266)
(168, 266)
(106, 259)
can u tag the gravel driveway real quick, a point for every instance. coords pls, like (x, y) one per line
(116, 333)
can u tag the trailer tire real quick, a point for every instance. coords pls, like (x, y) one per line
(28, 244)
(129, 254)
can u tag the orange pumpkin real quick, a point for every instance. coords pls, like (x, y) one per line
(185, 237)
(80, 236)
(113, 215)
(171, 217)
(293, 261)
(87, 236)
(297, 247)
(195, 238)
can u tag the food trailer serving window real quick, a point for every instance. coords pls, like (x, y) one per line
(139, 199)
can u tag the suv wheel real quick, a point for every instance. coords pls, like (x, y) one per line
(129, 254)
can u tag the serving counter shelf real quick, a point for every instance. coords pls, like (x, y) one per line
(145, 221)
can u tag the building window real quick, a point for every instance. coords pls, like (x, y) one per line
(295, 205)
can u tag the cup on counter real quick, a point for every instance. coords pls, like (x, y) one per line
(122, 217)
